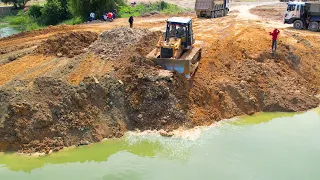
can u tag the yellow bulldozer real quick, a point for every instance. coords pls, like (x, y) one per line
(175, 50)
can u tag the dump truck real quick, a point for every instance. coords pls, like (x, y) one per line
(303, 15)
(211, 8)
(175, 50)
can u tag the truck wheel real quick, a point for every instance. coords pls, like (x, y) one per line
(298, 24)
(213, 14)
(314, 26)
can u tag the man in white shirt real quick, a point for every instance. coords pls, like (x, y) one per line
(92, 16)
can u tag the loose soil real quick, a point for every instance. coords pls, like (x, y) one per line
(68, 44)
(274, 12)
(49, 102)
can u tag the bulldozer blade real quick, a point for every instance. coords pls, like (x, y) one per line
(187, 64)
(180, 65)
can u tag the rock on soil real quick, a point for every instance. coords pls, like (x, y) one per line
(67, 44)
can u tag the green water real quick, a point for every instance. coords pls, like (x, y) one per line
(7, 31)
(267, 146)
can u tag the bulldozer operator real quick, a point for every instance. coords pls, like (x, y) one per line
(173, 31)
(180, 32)
(177, 33)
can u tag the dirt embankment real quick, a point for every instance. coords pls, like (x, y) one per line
(237, 75)
(49, 113)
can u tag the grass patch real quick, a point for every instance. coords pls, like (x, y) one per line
(140, 9)
(3, 25)
(73, 21)
(21, 22)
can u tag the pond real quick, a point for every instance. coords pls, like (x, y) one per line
(277, 146)
(7, 31)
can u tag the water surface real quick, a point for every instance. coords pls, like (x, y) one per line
(7, 31)
(266, 146)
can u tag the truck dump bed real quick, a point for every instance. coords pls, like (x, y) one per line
(204, 4)
(314, 9)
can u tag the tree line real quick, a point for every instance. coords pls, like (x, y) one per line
(56, 11)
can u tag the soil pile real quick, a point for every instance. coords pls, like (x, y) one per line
(155, 98)
(67, 44)
(48, 113)
(240, 76)
(114, 42)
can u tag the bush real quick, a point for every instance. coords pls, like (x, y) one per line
(55, 11)
(33, 26)
(84, 7)
(163, 5)
(20, 22)
(35, 11)
(73, 21)
(51, 12)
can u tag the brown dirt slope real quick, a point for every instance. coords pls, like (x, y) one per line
(49, 113)
(239, 75)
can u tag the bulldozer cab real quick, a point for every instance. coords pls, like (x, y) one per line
(178, 27)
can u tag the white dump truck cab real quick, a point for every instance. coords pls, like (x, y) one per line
(294, 12)
(303, 15)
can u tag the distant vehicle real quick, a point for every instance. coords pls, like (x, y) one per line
(303, 15)
(299, 0)
(286, 0)
(211, 8)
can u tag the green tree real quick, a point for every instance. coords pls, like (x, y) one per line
(55, 11)
(18, 4)
(65, 12)
(84, 7)
(35, 11)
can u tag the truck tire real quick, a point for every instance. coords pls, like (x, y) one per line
(213, 14)
(314, 26)
(298, 24)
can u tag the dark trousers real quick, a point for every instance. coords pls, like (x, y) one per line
(274, 45)
(131, 25)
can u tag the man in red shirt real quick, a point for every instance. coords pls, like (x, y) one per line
(110, 16)
(274, 35)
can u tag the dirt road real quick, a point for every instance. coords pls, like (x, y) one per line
(58, 89)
